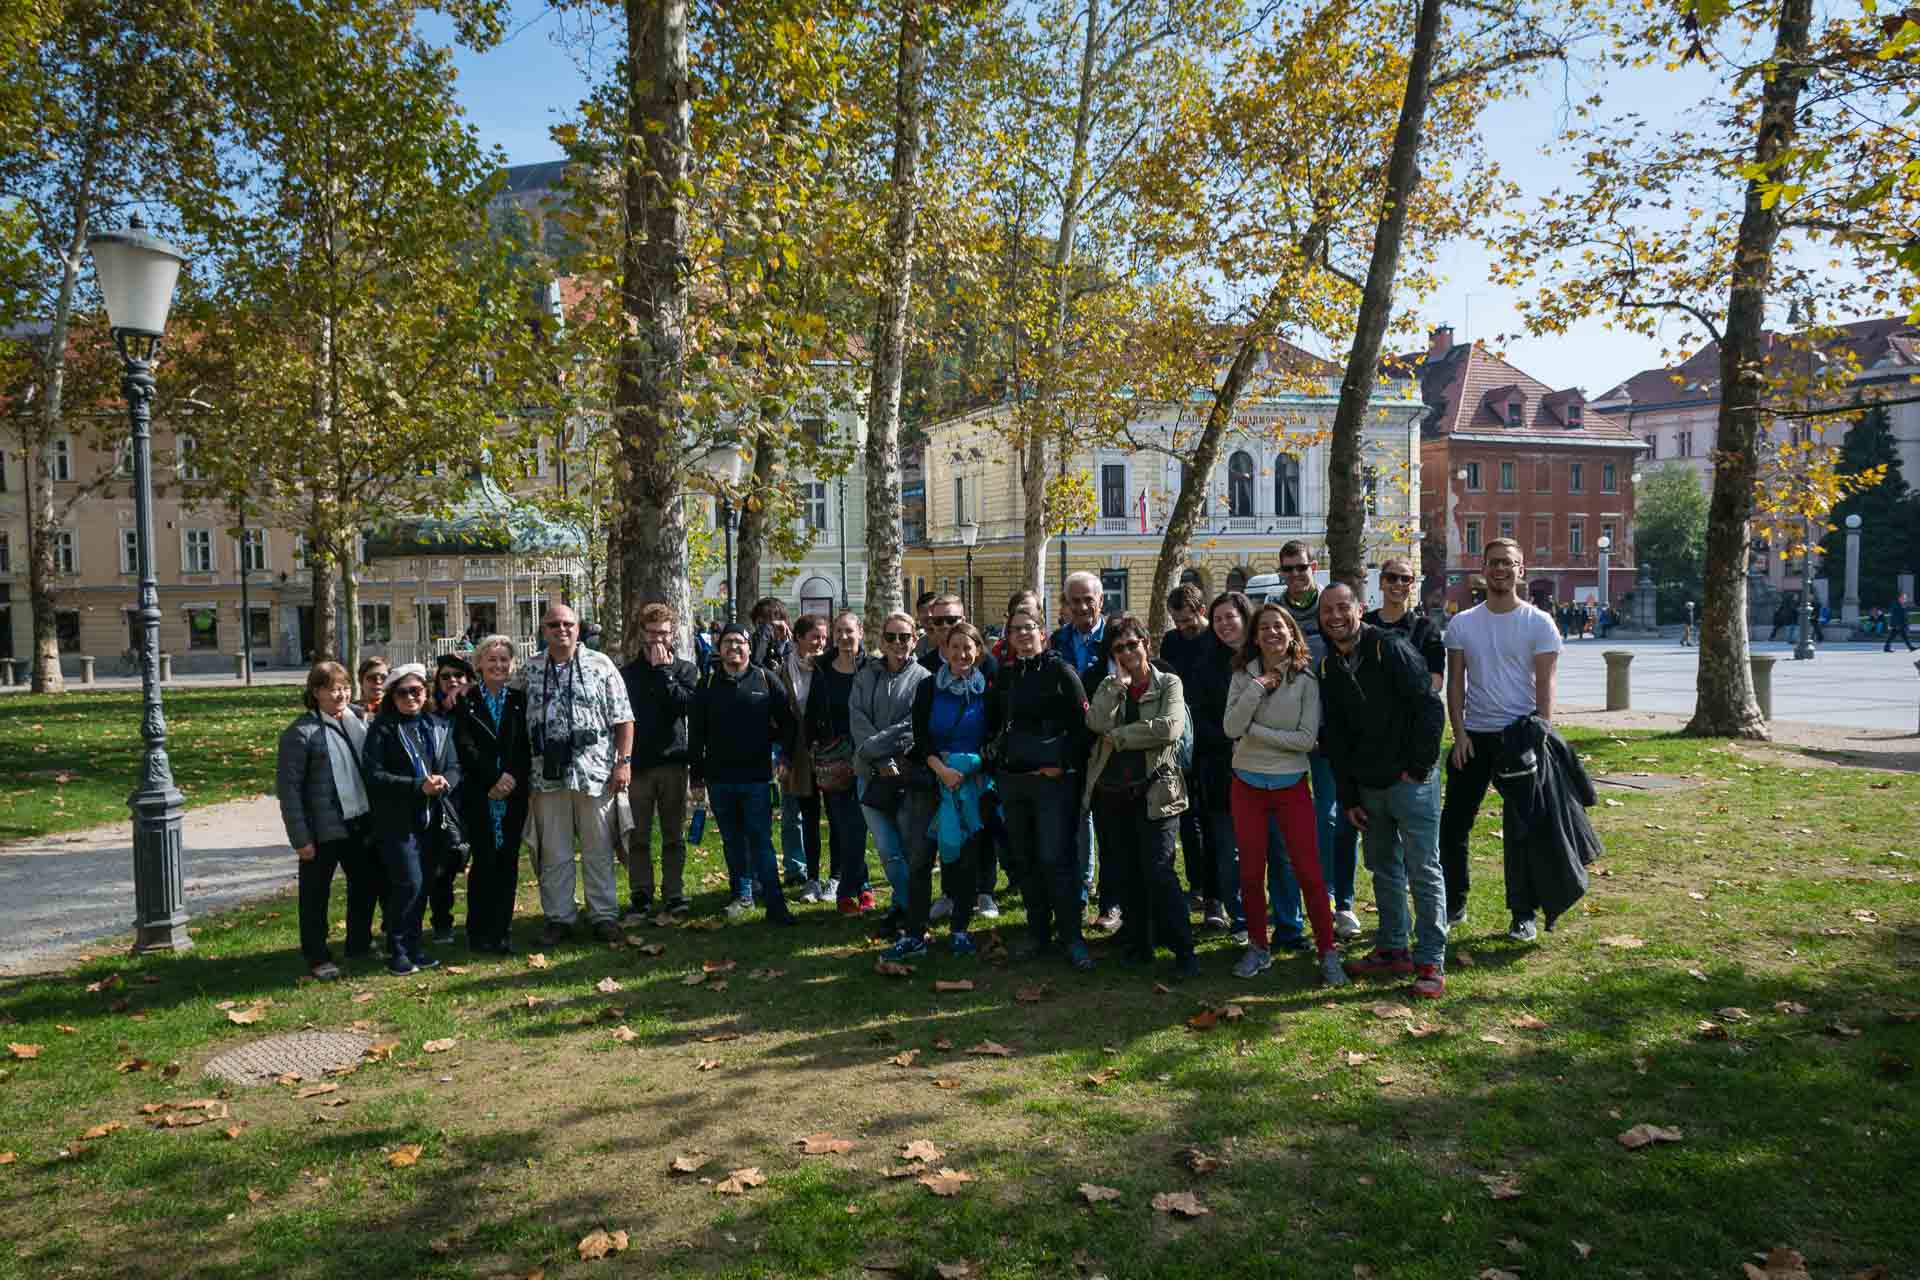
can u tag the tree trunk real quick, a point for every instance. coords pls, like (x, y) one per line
(890, 327)
(1725, 706)
(750, 545)
(325, 621)
(349, 607)
(1346, 500)
(654, 284)
(1040, 427)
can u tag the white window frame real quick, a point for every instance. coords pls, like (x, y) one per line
(184, 447)
(258, 539)
(66, 552)
(129, 551)
(813, 505)
(204, 538)
(60, 459)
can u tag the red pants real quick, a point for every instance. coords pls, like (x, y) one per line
(1293, 806)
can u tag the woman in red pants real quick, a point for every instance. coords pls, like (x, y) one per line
(1273, 715)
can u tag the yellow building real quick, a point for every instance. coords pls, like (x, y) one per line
(1269, 487)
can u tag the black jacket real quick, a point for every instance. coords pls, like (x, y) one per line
(1382, 717)
(827, 715)
(1418, 630)
(735, 724)
(484, 755)
(661, 697)
(1042, 696)
(1549, 840)
(394, 799)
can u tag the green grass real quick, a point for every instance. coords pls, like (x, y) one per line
(539, 1126)
(74, 758)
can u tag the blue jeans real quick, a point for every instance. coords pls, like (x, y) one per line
(1339, 841)
(744, 813)
(1084, 854)
(800, 834)
(1403, 851)
(887, 838)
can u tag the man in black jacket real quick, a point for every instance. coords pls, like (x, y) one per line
(740, 718)
(1380, 722)
(660, 686)
(1182, 651)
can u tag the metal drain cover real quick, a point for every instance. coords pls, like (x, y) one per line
(303, 1053)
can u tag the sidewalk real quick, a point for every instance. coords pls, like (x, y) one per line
(58, 893)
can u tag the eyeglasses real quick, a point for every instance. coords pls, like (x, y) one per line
(899, 637)
(941, 621)
(1396, 577)
(1296, 568)
(411, 691)
(1126, 646)
(562, 626)
(1023, 629)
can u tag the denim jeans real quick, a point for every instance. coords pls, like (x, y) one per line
(1402, 841)
(1089, 862)
(800, 834)
(408, 859)
(1339, 841)
(744, 813)
(888, 838)
(847, 838)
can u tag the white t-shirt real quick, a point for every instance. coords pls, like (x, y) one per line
(1500, 649)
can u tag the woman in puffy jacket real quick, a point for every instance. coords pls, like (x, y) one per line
(1273, 714)
(1043, 713)
(323, 802)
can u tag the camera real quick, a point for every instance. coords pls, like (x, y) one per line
(557, 754)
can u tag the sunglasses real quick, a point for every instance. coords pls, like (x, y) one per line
(1396, 577)
(899, 637)
(410, 691)
(1295, 568)
(562, 626)
(1126, 646)
(942, 622)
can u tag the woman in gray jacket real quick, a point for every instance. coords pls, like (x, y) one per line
(323, 802)
(880, 710)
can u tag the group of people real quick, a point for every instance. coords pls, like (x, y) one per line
(1273, 740)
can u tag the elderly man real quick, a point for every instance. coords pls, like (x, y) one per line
(1082, 642)
(581, 723)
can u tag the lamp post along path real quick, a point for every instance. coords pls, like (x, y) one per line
(137, 272)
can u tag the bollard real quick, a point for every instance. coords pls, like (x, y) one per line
(1762, 665)
(240, 665)
(1916, 667)
(1619, 681)
(6, 671)
(86, 668)
(166, 668)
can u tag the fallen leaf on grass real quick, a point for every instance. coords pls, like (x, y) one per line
(132, 1065)
(954, 1270)
(1495, 1273)
(1527, 1022)
(438, 1046)
(989, 1049)
(1181, 1203)
(235, 1130)
(1420, 1030)
(625, 1034)
(1492, 1039)
(739, 1180)
(921, 1149)
(1033, 995)
(8, 1157)
(719, 966)
(1626, 941)
(1792, 1007)
(942, 1044)
(1645, 1135)
(718, 984)
(363, 997)
(688, 1163)
(316, 1091)
(946, 1084)
(1385, 1012)
(693, 979)
(537, 960)
(904, 1059)
(892, 968)
(1094, 1194)
(65, 1029)
(962, 984)
(1196, 1160)
(102, 1130)
(1779, 1263)
(1354, 1058)
(381, 1049)
(1204, 1020)
(1106, 1075)
(607, 986)
(598, 1244)
(457, 969)
(768, 973)
(1501, 1186)
(1711, 1030)
(1582, 1250)
(107, 983)
(1732, 1013)
(404, 1156)
(823, 1144)
(947, 1182)
(706, 1064)
(1464, 959)
(1842, 1030)
(651, 949)
(255, 1195)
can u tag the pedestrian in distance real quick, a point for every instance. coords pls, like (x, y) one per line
(1897, 624)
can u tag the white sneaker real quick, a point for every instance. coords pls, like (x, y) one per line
(1346, 924)
(1523, 930)
(1238, 937)
(811, 893)
(830, 891)
(941, 909)
(739, 907)
(986, 906)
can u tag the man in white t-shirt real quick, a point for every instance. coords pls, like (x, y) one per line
(1501, 657)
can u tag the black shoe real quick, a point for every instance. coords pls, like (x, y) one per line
(554, 934)
(421, 960)
(782, 918)
(678, 906)
(443, 937)
(608, 931)
(1079, 957)
(642, 906)
(1187, 966)
(399, 966)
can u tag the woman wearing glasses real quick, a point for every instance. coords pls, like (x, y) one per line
(827, 724)
(1273, 711)
(410, 769)
(323, 802)
(1044, 710)
(1396, 614)
(373, 682)
(880, 719)
(1137, 795)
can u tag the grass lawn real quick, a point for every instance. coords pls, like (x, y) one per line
(74, 758)
(1744, 973)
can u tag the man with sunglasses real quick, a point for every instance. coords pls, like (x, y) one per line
(1339, 840)
(582, 727)
(1413, 625)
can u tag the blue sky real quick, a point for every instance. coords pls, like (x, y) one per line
(515, 93)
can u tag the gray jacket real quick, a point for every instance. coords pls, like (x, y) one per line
(303, 778)
(880, 710)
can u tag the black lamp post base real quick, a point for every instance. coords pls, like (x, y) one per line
(160, 915)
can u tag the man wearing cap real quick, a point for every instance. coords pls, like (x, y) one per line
(581, 724)
(739, 721)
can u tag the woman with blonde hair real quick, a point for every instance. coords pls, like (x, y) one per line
(323, 802)
(496, 760)
(1273, 714)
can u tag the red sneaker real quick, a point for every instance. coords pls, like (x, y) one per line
(1431, 984)
(849, 906)
(1381, 961)
(866, 900)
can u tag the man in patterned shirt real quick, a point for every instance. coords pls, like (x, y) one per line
(582, 728)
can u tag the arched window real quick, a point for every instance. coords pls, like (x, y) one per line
(1286, 486)
(1240, 484)
(816, 596)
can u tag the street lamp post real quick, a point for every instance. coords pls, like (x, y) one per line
(1850, 603)
(969, 535)
(1803, 645)
(723, 465)
(137, 272)
(1604, 546)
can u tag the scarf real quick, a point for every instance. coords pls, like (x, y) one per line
(973, 686)
(957, 820)
(343, 755)
(495, 707)
(799, 678)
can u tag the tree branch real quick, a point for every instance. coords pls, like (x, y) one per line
(1512, 58)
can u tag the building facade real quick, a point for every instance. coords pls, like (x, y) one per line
(1269, 487)
(1506, 456)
